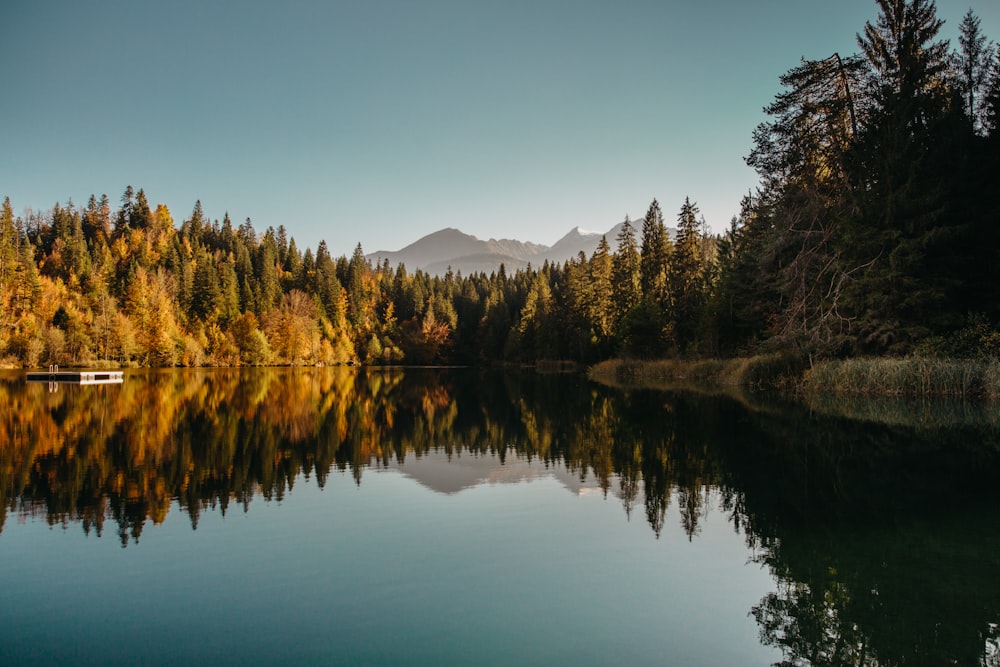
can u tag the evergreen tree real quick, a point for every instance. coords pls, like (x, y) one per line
(229, 292)
(991, 100)
(327, 286)
(27, 286)
(292, 267)
(907, 155)
(654, 255)
(195, 227)
(972, 65)
(97, 220)
(625, 271)
(124, 218)
(141, 213)
(602, 306)
(360, 311)
(576, 299)
(535, 338)
(206, 295)
(686, 274)
(806, 160)
(266, 271)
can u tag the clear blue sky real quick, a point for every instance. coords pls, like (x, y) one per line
(380, 122)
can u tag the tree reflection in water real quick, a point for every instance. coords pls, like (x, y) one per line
(883, 537)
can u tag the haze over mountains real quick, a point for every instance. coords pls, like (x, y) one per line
(463, 253)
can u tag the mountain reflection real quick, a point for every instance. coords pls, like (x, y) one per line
(883, 537)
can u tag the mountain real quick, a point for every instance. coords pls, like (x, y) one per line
(463, 253)
(577, 241)
(449, 247)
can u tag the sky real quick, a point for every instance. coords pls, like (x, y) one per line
(379, 122)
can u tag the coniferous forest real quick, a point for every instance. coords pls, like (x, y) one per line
(875, 230)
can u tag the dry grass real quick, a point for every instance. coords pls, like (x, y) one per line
(916, 376)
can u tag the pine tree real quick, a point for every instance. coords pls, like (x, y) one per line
(972, 63)
(195, 227)
(292, 268)
(655, 253)
(991, 100)
(576, 306)
(603, 305)
(359, 311)
(97, 220)
(266, 270)
(141, 213)
(206, 294)
(625, 272)
(686, 274)
(534, 328)
(907, 152)
(124, 218)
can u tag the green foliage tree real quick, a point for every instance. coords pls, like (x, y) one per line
(909, 239)
(991, 101)
(625, 271)
(654, 263)
(686, 276)
(972, 65)
(602, 306)
(206, 292)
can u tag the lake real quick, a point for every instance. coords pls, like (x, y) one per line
(459, 516)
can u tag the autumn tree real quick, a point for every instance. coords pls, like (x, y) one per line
(9, 243)
(292, 329)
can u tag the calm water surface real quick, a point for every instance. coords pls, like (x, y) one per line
(338, 516)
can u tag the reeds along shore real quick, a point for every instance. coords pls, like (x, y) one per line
(914, 376)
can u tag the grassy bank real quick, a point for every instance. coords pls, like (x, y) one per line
(862, 376)
(906, 377)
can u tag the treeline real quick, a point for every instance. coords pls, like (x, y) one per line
(129, 286)
(875, 230)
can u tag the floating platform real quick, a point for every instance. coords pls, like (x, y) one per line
(78, 377)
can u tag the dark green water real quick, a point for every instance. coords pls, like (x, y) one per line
(337, 516)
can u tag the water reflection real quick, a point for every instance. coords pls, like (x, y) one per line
(882, 532)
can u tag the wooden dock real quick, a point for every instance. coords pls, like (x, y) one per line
(77, 377)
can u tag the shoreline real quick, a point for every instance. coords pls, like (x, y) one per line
(794, 374)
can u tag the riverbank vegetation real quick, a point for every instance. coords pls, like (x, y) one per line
(862, 376)
(873, 233)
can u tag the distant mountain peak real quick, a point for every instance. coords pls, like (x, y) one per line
(463, 253)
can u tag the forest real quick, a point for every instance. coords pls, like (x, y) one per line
(874, 230)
